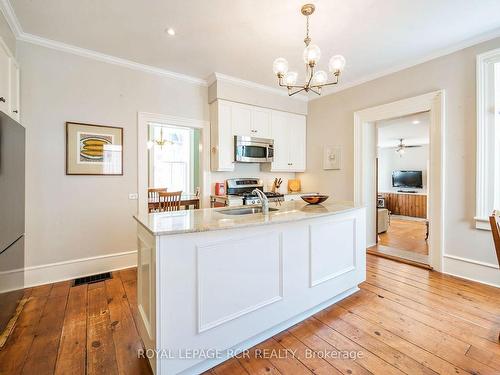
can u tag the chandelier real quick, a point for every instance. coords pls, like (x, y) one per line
(160, 142)
(315, 80)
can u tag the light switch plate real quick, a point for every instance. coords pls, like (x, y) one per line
(133, 196)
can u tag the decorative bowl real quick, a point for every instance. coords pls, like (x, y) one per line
(314, 198)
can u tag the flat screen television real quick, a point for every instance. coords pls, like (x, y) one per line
(407, 179)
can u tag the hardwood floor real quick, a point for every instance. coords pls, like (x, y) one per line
(404, 320)
(405, 235)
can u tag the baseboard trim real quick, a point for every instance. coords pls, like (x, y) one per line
(470, 269)
(70, 269)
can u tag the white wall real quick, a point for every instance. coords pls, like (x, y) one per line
(72, 217)
(468, 252)
(414, 159)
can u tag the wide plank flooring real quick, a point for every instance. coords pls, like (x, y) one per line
(408, 235)
(404, 320)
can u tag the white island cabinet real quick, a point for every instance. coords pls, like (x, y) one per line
(211, 285)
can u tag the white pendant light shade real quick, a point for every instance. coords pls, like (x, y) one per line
(320, 77)
(311, 54)
(336, 64)
(291, 78)
(280, 66)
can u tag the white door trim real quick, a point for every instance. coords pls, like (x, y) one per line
(364, 187)
(143, 119)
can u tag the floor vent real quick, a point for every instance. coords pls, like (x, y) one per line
(92, 279)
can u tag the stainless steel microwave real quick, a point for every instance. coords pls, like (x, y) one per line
(253, 150)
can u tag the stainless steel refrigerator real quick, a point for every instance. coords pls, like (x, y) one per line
(12, 204)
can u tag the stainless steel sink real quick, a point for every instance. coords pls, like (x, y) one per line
(244, 211)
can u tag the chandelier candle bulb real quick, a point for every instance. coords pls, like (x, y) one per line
(280, 66)
(314, 81)
(320, 77)
(336, 64)
(291, 78)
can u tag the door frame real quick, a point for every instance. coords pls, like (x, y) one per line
(143, 120)
(364, 183)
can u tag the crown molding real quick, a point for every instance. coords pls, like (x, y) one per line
(241, 82)
(48, 43)
(10, 16)
(442, 52)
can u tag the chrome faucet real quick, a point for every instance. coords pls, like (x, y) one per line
(263, 200)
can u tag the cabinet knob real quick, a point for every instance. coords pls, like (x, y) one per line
(15, 111)
(2, 99)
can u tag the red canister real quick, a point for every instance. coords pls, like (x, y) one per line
(220, 188)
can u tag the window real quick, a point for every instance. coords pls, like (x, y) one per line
(488, 137)
(174, 164)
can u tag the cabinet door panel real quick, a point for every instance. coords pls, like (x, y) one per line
(297, 140)
(14, 90)
(241, 122)
(261, 123)
(280, 134)
(226, 143)
(4, 81)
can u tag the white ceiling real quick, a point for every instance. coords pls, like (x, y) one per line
(389, 132)
(241, 38)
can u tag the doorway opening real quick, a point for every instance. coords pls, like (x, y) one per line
(402, 188)
(365, 166)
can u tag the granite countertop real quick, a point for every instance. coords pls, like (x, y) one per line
(210, 219)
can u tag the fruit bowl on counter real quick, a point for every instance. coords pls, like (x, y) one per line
(314, 198)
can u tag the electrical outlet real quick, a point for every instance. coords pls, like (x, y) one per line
(133, 196)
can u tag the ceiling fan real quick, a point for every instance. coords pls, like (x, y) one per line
(400, 149)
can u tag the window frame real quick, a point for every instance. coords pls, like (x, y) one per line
(485, 142)
(151, 154)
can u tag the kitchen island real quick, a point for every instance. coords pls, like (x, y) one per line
(214, 282)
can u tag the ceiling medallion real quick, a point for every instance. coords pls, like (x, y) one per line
(315, 80)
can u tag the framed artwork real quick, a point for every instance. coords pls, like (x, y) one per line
(94, 150)
(332, 157)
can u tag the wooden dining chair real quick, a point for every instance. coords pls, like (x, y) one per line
(154, 198)
(495, 231)
(170, 201)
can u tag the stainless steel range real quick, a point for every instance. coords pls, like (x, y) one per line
(243, 187)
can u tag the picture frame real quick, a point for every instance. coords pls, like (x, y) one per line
(94, 150)
(332, 157)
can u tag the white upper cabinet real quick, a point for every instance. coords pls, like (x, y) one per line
(4, 79)
(250, 121)
(14, 90)
(221, 137)
(229, 119)
(9, 83)
(289, 134)
(241, 123)
(261, 123)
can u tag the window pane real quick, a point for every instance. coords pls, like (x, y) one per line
(172, 162)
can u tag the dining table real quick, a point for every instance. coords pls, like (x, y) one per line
(187, 200)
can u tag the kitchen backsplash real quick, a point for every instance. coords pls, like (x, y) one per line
(252, 170)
